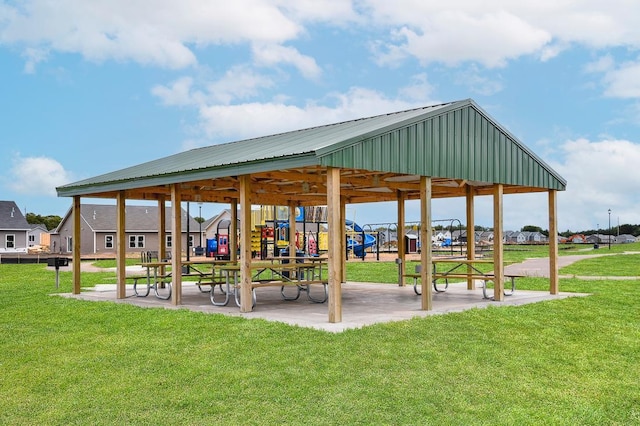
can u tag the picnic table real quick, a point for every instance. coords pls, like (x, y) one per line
(300, 275)
(204, 270)
(457, 269)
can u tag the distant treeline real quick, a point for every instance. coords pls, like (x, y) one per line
(50, 222)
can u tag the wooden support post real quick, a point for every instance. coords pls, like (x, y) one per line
(400, 237)
(471, 235)
(76, 254)
(498, 246)
(246, 301)
(292, 229)
(343, 240)
(176, 244)
(554, 286)
(336, 234)
(121, 246)
(426, 256)
(162, 232)
(233, 231)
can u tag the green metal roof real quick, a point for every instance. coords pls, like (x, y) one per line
(452, 140)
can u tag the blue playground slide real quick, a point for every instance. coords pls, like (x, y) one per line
(355, 245)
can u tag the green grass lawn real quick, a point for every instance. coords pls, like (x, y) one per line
(571, 361)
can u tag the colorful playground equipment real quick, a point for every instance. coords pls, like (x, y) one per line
(358, 240)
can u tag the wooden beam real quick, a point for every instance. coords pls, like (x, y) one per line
(498, 246)
(336, 230)
(76, 254)
(554, 282)
(246, 301)
(400, 236)
(426, 257)
(121, 246)
(471, 235)
(176, 244)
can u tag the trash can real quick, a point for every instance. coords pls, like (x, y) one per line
(299, 254)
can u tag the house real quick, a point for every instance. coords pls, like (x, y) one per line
(624, 238)
(37, 237)
(579, 239)
(210, 226)
(14, 228)
(594, 239)
(535, 237)
(515, 237)
(98, 230)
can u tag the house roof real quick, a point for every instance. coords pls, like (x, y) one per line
(11, 218)
(102, 218)
(455, 143)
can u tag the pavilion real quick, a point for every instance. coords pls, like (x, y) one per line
(453, 149)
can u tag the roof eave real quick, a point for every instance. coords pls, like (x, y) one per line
(266, 165)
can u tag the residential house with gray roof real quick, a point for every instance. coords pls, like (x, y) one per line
(13, 228)
(98, 230)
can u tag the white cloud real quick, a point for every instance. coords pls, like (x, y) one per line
(335, 11)
(238, 83)
(270, 55)
(492, 32)
(177, 93)
(146, 31)
(475, 82)
(624, 81)
(33, 57)
(37, 176)
(418, 90)
(602, 64)
(258, 119)
(174, 34)
(601, 175)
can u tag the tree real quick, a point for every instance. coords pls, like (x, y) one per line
(50, 222)
(531, 228)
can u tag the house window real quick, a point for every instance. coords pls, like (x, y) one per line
(32, 238)
(168, 241)
(69, 244)
(190, 240)
(108, 241)
(136, 241)
(10, 241)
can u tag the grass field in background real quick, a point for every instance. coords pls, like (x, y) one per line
(571, 361)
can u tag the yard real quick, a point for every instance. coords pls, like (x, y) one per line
(571, 361)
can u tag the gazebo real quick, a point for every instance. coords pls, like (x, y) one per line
(453, 149)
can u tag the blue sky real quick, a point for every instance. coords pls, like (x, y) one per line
(91, 87)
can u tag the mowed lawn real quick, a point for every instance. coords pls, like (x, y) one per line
(571, 361)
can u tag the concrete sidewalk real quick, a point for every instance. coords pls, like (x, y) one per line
(363, 304)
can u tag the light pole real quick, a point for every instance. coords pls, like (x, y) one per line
(609, 229)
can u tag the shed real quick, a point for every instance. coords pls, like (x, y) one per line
(452, 149)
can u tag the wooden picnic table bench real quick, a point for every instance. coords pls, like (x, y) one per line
(470, 272)
(301, 275)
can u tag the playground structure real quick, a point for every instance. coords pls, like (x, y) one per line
(270, 235)
(218, 246)
(442, 240)
(359, 240)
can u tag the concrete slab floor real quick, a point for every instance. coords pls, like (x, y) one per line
(362, 303)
